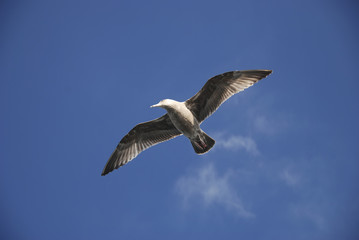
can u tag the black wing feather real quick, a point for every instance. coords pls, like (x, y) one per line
(141, 137)
(221, 87)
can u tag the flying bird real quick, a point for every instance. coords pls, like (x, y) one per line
(183, 118)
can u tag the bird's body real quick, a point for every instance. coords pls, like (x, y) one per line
(183, 117)
(186, 123)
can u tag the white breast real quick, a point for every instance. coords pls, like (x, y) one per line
(183, 119)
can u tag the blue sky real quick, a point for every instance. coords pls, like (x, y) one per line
(76, 76)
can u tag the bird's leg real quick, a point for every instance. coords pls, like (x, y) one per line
(203, 145)
(200, 143)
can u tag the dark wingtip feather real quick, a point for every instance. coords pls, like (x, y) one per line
(265, 72)
(111, 163)
(105, 171)
(259, 74)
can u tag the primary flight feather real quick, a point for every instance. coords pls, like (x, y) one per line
(183, 118)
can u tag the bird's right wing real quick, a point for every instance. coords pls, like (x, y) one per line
(141, 137)
(221, 87)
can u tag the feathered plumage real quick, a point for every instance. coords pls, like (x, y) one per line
(183, 117)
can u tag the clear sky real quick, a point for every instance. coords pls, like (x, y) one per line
(76, 76)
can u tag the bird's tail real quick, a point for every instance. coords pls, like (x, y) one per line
(203, 143)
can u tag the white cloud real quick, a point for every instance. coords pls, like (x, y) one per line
(270, 125)
(236, 142)
(210, 189)
(309, 212)
(262, 124)
(289, 177)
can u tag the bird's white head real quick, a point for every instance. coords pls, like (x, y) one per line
(165, 103)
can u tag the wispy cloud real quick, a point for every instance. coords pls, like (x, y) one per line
(309, 212)
(289, 177)
(262, 124)
(209, 189)
(270, 125)
(236, 142)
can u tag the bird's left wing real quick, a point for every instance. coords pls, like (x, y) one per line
(141, 137)
(221, 87)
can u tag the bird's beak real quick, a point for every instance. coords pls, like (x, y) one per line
(156, 105)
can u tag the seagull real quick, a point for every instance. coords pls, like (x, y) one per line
(183, 118)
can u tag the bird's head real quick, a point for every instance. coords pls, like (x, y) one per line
(164, 103)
